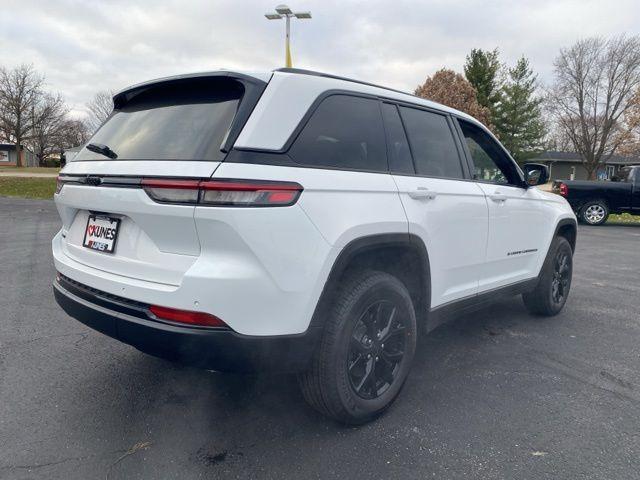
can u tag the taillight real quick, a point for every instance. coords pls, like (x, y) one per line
(174, 191)
(186, 316)
(563, 189)
(253, 194)
(59, 184)
(223, 192)
(62, 180)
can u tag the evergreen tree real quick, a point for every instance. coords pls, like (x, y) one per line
(482, 70)
(518, 116)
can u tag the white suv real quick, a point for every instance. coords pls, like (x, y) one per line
(300, 222)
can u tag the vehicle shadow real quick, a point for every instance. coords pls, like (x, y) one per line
(206, 418)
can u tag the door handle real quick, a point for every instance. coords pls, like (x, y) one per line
(498, 197)
(422, 193)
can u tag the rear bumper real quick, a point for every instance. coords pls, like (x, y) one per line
(215, 349)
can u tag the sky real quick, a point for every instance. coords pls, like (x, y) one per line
(86, 46)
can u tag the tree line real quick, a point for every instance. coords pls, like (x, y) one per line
(32, 117)
(592, 106)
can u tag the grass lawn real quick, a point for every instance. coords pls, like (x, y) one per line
(623, 218)
(27, 187)
(45, 187)
(30, 169)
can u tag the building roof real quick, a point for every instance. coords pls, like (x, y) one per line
(8, 146)
(573, 157)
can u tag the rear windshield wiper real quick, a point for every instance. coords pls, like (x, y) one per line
(101, 149)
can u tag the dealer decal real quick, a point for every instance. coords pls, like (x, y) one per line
(99, 231)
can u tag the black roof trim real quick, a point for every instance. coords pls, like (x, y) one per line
(301, 71)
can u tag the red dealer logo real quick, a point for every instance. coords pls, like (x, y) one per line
(101, 232)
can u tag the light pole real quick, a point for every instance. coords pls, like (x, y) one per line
(282, 11)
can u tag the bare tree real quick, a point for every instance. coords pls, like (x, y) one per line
(20, 89)
(73, 133)
(631, 146)
(595, 81)
(100, 107)
(48, 118)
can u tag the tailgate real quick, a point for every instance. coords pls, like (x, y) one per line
(155, 242)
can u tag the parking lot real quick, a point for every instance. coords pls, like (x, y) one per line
(495, 394)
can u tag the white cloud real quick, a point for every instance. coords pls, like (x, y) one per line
(85, 46)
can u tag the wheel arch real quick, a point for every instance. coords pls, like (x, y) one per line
(567, 228)
(592, 199)
(403, 255)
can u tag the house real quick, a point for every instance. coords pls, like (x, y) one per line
(70, 153)
(8, 156)
(568, 165)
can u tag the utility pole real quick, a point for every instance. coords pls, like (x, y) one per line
(282, 11)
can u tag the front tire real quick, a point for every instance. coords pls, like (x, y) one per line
(554, 281)
(594, 212)
(366, 349)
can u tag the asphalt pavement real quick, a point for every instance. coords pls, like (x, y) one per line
(496, 394)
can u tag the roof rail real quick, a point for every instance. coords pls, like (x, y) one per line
(301, 71)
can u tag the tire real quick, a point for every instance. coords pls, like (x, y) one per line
(594, 212)
(355, 374)
(554, 282)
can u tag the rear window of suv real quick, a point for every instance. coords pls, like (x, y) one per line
(344, 132)
(183, 120)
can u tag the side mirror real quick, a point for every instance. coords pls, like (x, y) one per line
(535, 174)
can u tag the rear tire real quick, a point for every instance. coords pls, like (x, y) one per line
(554, 281)
(594, 212)
(366, 349)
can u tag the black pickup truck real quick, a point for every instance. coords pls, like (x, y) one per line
(594, 201)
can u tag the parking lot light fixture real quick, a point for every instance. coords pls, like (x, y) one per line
(283, 11)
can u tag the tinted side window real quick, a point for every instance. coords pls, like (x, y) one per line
(490, 162)
(344, 132)
(398, 149)
(432, 144)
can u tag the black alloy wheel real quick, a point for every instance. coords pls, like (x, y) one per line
(561, 277)
(377, 349)
(366, 350)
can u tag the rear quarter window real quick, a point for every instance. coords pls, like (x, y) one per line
(343, 132)
(183, 120)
